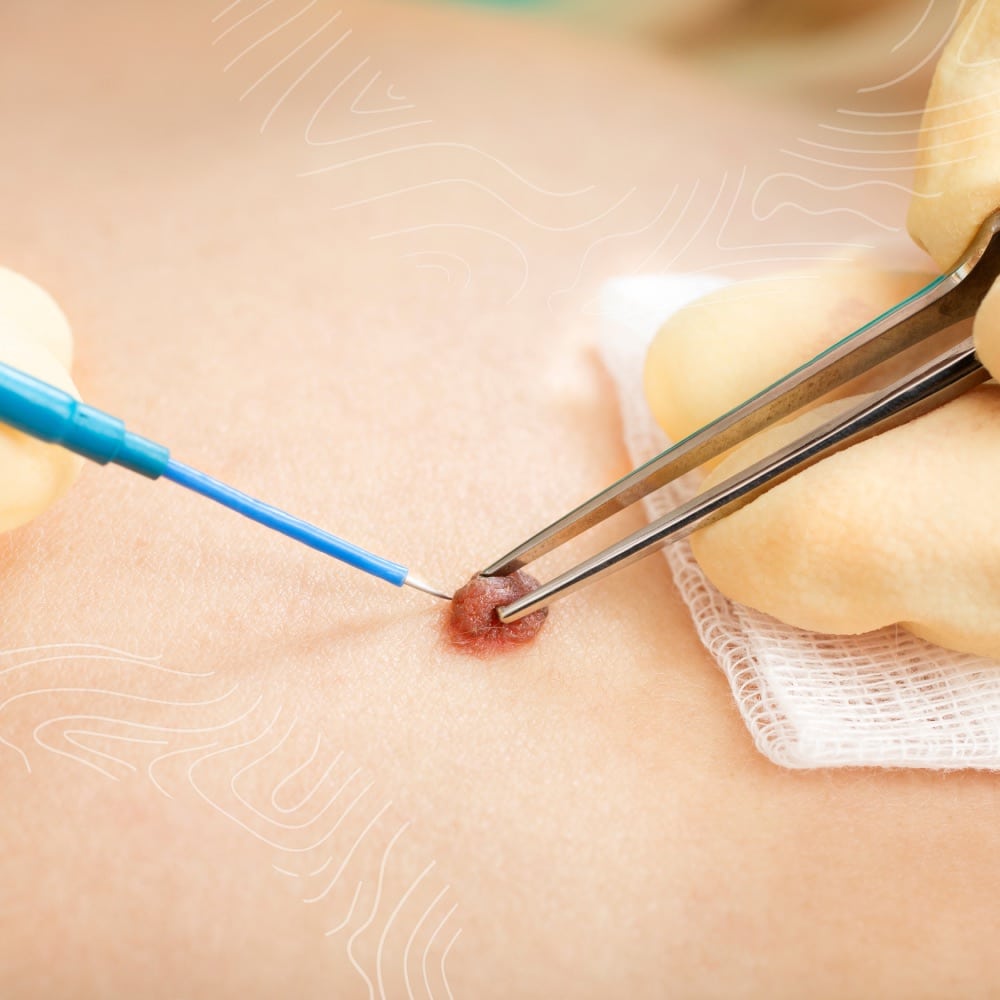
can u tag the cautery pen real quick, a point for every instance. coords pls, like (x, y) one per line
(50, 414)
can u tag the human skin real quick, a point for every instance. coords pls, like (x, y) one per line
(592, 803)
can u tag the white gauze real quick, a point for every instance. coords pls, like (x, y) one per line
(885, 698)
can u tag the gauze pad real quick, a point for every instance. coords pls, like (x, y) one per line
(885, 698)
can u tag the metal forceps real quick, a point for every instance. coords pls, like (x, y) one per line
(949, 299)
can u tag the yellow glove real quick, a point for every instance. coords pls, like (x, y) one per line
(957, 181)
(901, 528)
(35, 337)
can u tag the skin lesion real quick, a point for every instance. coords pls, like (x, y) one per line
(472, 624)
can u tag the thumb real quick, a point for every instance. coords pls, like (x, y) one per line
(957, 185)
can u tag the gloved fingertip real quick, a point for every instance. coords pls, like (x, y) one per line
(29, 309)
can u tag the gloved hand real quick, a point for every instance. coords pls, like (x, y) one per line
(900, 528)
(35, 337)
(957, 182)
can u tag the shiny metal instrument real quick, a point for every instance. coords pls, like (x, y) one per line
(948, 300)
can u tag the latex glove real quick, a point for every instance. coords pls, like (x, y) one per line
(35, 337)
(957, 180)
(901, 528)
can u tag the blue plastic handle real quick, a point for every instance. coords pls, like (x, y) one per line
(50, 414)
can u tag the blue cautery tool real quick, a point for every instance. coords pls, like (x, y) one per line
(45, 412)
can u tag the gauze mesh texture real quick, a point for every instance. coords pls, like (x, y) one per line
(882, 699)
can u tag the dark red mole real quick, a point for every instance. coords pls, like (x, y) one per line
(473, 625)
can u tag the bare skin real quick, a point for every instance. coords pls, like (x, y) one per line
(594, 810)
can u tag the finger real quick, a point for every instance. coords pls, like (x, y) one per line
(729, 345)
(33, 475)
(956, 184)
(897, 529)
(986, 330)
(29, 311)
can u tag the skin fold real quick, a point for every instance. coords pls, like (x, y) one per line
(232, 768)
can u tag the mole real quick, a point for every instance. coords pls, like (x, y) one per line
(473, 625)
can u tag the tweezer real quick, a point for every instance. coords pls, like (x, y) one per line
(947, 300)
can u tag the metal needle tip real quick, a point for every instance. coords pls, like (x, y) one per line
(415, 581)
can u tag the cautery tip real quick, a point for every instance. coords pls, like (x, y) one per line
(415, 581)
